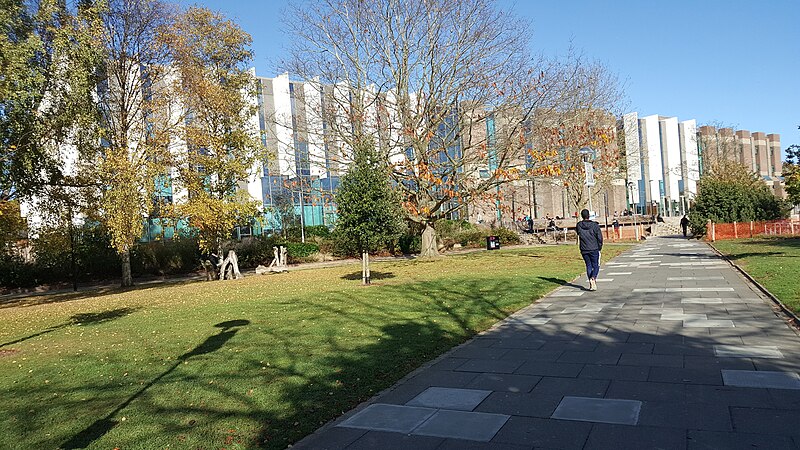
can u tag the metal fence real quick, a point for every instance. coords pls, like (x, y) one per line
(736, 230)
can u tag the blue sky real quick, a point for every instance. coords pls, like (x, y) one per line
(734, 62)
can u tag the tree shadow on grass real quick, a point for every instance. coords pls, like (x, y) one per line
(315, 383)
(563, 282)
(791, 242)
(735, 256)
(82, 319)
(62, 296)
(374, 275)
(102, 426)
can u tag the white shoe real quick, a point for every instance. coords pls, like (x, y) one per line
(592, 285)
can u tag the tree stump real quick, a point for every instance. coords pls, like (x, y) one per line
(229, 269)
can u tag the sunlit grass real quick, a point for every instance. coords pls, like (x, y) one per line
(773, 262)
(258, 362)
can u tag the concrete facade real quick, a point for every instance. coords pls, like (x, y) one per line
(662, 163)
(758, 151)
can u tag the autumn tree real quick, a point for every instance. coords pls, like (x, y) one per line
(48, 54)
(731, 192)
(129, 147)
(445, 89)
(220, 149)
(369, 211)
(791, 173)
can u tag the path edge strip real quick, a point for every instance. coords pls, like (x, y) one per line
(795, 321)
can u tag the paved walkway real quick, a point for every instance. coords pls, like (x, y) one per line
(675, 350)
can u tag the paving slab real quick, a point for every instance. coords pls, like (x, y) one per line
(748, 351)
(449, 398)
(475, 426)
(385, 417)
(761, 379)
(603, 410)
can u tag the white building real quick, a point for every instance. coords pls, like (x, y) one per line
(662, 163)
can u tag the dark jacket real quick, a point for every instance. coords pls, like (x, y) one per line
(589, 236)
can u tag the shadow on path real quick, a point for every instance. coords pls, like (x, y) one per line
(563, 282)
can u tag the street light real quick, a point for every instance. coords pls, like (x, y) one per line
(586, 152)
(633, 207)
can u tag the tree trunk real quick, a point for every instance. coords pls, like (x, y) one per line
(127, 279)
(429, 247)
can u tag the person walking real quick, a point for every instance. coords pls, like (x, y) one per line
(590, 240)
(684, 224)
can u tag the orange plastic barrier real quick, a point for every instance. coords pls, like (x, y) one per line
(736, 230)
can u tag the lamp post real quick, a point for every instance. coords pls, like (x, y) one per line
(586, 153)
(633, 207)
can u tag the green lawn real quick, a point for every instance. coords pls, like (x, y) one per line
(774, 262)
(258, 362)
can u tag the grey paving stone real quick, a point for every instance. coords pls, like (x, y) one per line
(707, 323)
(629, 373)
(402, 393)
(516, 404)
(624, 437)
(549, 369)
(475, 426)
(682, 316)
(594, 357)
(544, 433)
(630, 359)
(476, 352)
(490, 365)
(684, 416)
(688, 376)
(460, 444)
(333, 438)
(727, 396)
(581, 345)
(449, 398)
(713, 440)
(505, 382)
(394, 441)
(646, 391)
(683, 349)
(534, 355)
(761, 379)
(567, 293)
(443, 378)
(527, 344)
(385, 417)
(735, 351)
(719, 363)
(576, 387)
(603, 410)
(769, 421)
(700, 289)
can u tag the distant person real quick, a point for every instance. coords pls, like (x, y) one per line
(590, 239)
(684, 224)
(615, 224)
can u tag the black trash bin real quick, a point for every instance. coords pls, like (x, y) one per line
(492, 243)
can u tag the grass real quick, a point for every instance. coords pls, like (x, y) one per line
(257, 362)
(773, 262)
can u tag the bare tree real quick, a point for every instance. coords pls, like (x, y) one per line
(441, 87)
(446, 89)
